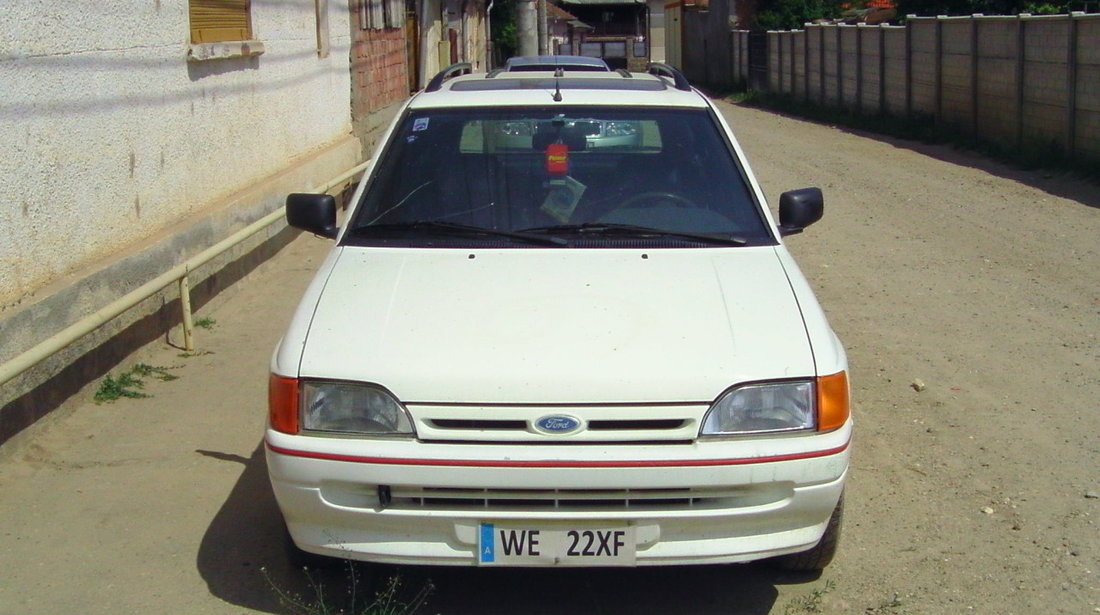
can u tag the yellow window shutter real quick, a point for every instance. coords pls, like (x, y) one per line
(214, 21)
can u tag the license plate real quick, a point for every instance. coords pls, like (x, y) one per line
(512, 545)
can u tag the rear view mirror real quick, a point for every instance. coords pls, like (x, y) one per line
(799, 209)
(315, 213)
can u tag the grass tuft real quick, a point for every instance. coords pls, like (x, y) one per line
(205, 323)
(811, 603)
(888, 607)
(129, 383)
(126, 385)
(392, 599)
(153, 371)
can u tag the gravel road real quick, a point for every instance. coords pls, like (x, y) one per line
(979, 285)
(967, 293)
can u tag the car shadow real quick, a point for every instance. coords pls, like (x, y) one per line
(243, 560)
(241, 554)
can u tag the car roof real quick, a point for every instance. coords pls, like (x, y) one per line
(563, 86)
(525, 63)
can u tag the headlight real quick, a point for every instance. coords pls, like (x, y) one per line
(352, 408)
(756, 408)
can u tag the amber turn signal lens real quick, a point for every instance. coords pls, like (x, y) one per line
(282, 404)
(833, 401)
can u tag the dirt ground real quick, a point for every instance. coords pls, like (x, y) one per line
(967, 293)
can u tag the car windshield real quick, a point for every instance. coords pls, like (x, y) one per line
(592, 175)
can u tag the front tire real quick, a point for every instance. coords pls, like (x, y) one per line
(820, 555)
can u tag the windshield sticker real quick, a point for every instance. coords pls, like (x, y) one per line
(563, 198)
(410, 138)
(420, 123)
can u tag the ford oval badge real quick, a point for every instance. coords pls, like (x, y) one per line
(557, 424)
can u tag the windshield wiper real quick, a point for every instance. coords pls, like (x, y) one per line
(453, 228)
(607, 228)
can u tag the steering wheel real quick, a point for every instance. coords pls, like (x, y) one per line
(656, 197)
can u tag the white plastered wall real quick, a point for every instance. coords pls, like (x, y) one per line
(109, 135)
(657, 25)
(432, 34)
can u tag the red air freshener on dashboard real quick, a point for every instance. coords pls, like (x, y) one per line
(557, 160)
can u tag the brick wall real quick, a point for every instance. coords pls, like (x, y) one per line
(379, 73)
(1014, 80)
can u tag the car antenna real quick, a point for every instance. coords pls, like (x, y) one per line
(557, 84)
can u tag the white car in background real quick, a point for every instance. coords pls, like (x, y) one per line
(551, 63)
(552, 354)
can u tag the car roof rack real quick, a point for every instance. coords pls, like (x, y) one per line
(462, 68)
(678, 78)
(625, 73)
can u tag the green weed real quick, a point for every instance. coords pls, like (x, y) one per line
(153, 371)
(810, 603)
(888, 607)
(129, 383)
(392, 599)
(126, 385)
(205, 323)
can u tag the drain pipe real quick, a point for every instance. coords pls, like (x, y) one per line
(490, 50)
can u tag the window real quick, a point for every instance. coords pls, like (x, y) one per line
(515, 169)
(381, 14)
(614, 49)
(395, 13)
(216, 21)
(592, 50)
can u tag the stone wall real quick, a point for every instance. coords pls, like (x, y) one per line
(1020, 81)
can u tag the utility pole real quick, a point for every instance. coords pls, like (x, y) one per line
(544, 34)
(527, 27)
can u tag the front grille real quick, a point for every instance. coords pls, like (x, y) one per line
(535, 500)
(478, 425)
(673, 423)
(652, 425)
(637, 425)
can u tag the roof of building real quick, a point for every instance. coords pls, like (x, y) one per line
(596, 2)
(557, 13)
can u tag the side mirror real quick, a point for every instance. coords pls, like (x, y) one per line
(315, 213)
(799, 209)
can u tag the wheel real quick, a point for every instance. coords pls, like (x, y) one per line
(654, 198)
(818, 556)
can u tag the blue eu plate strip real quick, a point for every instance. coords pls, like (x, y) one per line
(488, 551)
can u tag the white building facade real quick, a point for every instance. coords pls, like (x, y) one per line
(115, 130)
(136, 135)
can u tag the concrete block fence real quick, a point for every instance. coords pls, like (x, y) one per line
(1020, 81)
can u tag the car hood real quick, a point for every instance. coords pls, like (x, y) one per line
(556, 326)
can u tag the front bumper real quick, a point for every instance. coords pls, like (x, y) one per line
(701, 503)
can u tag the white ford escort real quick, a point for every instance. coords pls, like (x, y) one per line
(559, 327)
